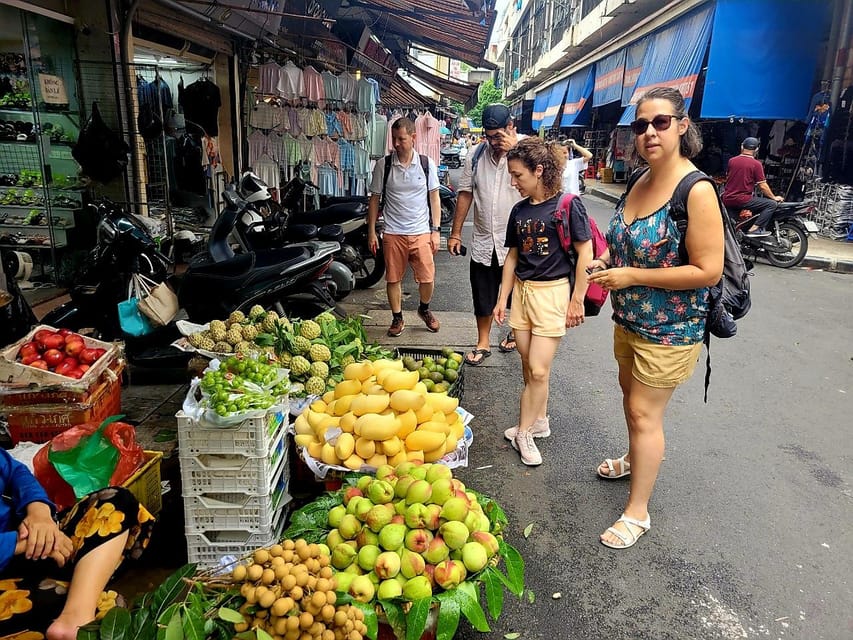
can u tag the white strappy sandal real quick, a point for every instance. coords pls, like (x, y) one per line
(629, 539)
(611, 473)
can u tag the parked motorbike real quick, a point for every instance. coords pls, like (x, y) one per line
(450, 156)
(447, 195)
(444, 175)
(788, 242)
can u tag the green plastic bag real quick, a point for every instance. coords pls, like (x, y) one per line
(88, 466)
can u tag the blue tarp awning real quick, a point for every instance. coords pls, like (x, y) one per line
(555, 101)
(540, 105)
(759, 67)
(634, 55)
(673, 58)
(578, 106)
(609, 73)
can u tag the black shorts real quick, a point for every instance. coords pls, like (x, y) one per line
(485, 285)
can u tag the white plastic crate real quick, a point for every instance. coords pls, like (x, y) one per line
(232, 472)
(234, 511)
(207, 549)
(251, 438)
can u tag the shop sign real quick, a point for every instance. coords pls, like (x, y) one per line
(52, 89)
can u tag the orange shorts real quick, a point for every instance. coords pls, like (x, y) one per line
(400, 251)
(656, 365)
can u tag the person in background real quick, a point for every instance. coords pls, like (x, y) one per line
(84, 544)
(574, 165)
(537, 271)
(488, 186)
(659, 302)
(412, 211)
(744, 174)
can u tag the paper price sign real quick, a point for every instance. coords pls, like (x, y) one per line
(52, 89)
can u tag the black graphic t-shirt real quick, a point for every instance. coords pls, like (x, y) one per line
(532, 231)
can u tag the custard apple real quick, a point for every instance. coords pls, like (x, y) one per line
(348, 359)
(256, 313)
(319, 353)
(310, 330)
(299, 366)
(236, 317)
(194, 338)
(325, 317)
(218, 330)
(205, 343)
(249, 333)
(222, 347)
(269, 321)
(234, 334)
(320, 370)
(285, 358)
(300, 344)
(244, 347)
(315, 386)
(285, 324)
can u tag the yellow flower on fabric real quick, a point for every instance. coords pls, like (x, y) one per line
(84, 525)
(25, 635)
(107, 521)
(144, 515)
(10, 584)
(106, 601)
(15, 601)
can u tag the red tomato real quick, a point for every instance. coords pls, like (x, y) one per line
(54, 341)
(74, 347)
(28, 349)
(53, 357)
(39, 364)
(84, 368)
(75, 373)
(88, 356)
(30, 359)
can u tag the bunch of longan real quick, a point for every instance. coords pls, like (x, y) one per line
(290, 593)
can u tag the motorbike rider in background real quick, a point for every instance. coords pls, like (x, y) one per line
(744, 173)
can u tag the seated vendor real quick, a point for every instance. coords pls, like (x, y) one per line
(40, 551)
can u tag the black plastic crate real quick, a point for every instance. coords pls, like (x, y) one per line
(456, 389)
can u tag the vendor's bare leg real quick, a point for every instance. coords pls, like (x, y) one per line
(425, 290)
(88, 581)
(525, 371)
(395, 296)
(484, 327)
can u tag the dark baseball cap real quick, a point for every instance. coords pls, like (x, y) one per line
(496, 116)
(750, 143)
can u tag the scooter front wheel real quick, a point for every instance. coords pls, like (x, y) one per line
(370, 270)
(789, 247)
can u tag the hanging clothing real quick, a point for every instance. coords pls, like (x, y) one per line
(347, 84)
(333, 125)
(269, 75)
(201, 102)
(258, 144)
(318, 122)
(332, 87)
(359, 126)
(291, 85)
(292, 150)
(267, 170)
(265, 116)
(366, 98)
(428, 141)
(315, 90)
(380, 134)
(327, 180)
(189, 173)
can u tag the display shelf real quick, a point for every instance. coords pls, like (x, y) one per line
(59, 227)
(27, 245)
(37, 206)
(42, 111)
(35, 142)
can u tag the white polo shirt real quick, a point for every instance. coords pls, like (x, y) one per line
(406, 195)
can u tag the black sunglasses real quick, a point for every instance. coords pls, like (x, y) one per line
(660, 123)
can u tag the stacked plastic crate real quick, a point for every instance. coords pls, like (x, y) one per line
(235, 485)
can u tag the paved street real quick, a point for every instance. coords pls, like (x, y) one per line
(751, 518)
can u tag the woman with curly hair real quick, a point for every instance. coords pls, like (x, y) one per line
(54, 567)
(660, 301)
(537, 272)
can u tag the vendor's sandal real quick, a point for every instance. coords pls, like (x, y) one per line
(472, 357)
(507, 345)
(629, 537)
(612, 473)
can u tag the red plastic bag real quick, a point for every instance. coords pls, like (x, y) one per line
(120, 434)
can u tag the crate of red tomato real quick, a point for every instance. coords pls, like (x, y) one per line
(49, 357)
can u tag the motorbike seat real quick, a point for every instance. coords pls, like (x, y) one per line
(236, 267)
(333, 214)
(333, 232)
(332, 200)
(300, 232)
(281, 259)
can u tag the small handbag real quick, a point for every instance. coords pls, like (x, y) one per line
(160, 305)
(130, 318)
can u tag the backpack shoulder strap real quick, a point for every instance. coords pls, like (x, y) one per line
(564, 207)
(385, 174)
(678, 206)
(476, 157)
(425, 166)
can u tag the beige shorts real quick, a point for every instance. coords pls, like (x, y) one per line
(400, 251)
(540, 307)
(662, 366)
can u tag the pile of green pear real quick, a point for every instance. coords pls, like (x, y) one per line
(407, 533)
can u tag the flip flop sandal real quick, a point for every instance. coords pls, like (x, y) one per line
(483, 353)
(503, 348)
(611, 473)
(629, 538)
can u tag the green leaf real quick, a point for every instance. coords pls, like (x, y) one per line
(396, 617)
(88, 631)
(144, 625)
(115, 625)
(371, 621)
(448, 616)
(262, 635)
(193, 625)
(416, 618)
(168, 592)
(514, 567)
(209, 625)
(166, 617)
(528, 530)
(229, 615)
(174, 630)
(512, 636)
(531, 597)
(165, 435)
(470, 605)
(494, 592)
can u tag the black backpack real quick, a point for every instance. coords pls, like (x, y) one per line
(101, 152)
(729, 300)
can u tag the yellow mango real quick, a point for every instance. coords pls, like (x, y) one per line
(376, 461)
(451, 418)
(315, 450)
(347, 422)
(450, 444)
(399, 380)
(384, 363)
(437, 427)
(404, 399)
(365, 448)
(438, 416)
(345, 446)
(353, 462)
(376, 427)
(424, 440)
(341, 406)
(399, 458)
(415, 455)
(301, 425)
(364, 404)
(458, 430)
(435, 454)
(358, 371)
(329, 456)
(319, 406)
(303, 440)
(408, 422)
(391, 446)
(347, 388)
(424, 414)
(442, 402)
(420, 388)
(328, 396)
(375, 389)
(316, 420)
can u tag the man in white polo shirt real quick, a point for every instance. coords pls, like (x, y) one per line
(408, 184)
(488, 186)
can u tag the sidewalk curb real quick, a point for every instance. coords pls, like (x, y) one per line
(603, 195)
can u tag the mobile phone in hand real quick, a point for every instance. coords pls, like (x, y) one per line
(463, 250)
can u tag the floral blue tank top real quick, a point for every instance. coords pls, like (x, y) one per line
(663, 316)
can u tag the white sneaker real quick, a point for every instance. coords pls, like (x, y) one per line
(541, 429)
(526, 446)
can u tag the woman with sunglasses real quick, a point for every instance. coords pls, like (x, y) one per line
(659, 302)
